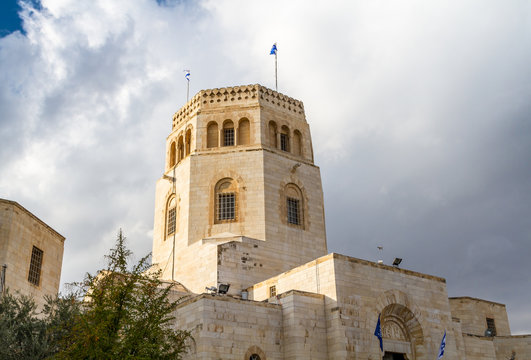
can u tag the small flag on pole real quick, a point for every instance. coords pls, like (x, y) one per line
(443, 345)
(378, 332)
(187, 77)
(273, 49)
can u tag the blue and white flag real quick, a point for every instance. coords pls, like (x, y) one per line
(378, 332)
(273, 49)
(443, 345)
(187, 74)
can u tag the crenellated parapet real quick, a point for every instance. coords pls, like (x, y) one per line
(239, 96)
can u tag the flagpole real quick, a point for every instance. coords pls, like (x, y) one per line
(276, 81)
(187, 77)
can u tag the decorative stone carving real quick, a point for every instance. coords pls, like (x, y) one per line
(391, 330)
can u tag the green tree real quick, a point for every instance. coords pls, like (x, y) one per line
(25, 334)
(127, 314)
(22, 333)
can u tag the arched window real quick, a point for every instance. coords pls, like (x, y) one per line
(171, 216)
(297, 143)
(228, 133)
(244, 132)
(226, 201)
(212, 135)
(255, 357)
(188, 141)
(272, 134)
(294, 205)
(172, 154)
(180, 148)
(284, 138)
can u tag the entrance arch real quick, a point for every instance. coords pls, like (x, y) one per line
(402, 333)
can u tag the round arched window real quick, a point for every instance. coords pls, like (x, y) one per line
(254, 357)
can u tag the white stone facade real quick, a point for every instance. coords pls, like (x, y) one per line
(240, 202)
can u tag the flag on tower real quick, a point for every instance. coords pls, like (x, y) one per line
(443, 345)
(273, 49)
(187, 74)
(378, 332)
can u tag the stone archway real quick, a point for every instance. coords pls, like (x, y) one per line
(401, 327)
(254, 353)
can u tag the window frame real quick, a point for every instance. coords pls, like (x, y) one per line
(35, 268)
(225, 201)
(293, 211)
(226, 207)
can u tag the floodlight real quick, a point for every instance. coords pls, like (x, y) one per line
(223, 288)
(397, 261)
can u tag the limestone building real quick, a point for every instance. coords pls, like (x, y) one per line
(31, 253)
(240, 203)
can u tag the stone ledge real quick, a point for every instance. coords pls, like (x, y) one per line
(475, 299)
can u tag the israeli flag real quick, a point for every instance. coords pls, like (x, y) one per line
(378, 332)
(187, 75)
(273, 49)
(443, 345)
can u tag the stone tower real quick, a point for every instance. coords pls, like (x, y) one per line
(240, 199)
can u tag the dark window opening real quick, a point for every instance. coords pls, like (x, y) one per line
(293, 211)
(34, 275)
(171, 221)
(284, 142)
(226, 206)
(228, 137)
(254, 357)
(491, 327)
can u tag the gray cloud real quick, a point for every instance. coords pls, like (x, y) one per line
(419, 114)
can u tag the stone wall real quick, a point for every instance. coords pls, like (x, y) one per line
(479, 347)
(517, 347)
(355, 291)
(228, 328)
(20, 231)
(473, 314)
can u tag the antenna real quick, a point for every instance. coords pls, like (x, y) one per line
(380, 249)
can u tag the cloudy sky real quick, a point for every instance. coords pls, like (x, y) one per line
(420, 114)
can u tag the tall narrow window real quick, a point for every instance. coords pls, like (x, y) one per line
(491, 327)
(272, 291)
(284, 139)
(272, 134)
(228, 133)
(172, 154)
(180, 149)
(188, 142)
(34, 275)
(294, 206)
(284, 142)
(171, 217)
(226, 201)
(293, 211)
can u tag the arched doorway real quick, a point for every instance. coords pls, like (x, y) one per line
(401, 332)
(254, 353)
